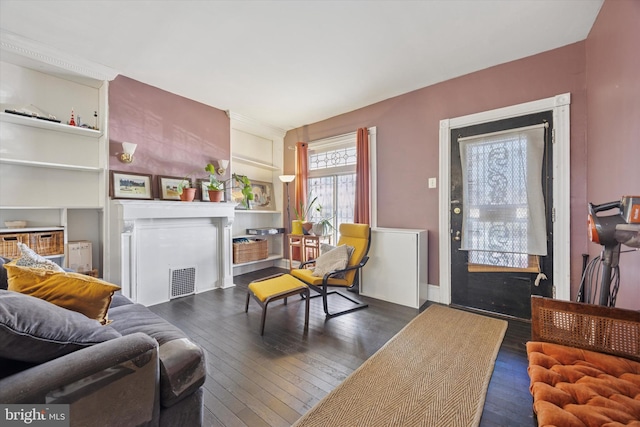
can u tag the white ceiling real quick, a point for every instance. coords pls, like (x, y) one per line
(291, 63)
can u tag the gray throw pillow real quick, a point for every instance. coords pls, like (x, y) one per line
(34, 330)
(325, 247)
(335, 259)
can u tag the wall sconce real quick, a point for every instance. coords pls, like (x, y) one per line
(128, 149)
(222, 166)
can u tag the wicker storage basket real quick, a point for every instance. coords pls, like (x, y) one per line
(9, 244)
(47, 242)
(253, 250)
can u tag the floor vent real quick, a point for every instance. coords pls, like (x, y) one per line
(182, 281)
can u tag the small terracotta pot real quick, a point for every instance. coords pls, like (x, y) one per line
(188, 194)
(216, 195)
(306, 227)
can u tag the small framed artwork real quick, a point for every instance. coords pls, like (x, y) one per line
(263, 198)
(168, 187)
(129, 185)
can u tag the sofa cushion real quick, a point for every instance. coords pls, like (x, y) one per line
(118, 300)
(77, 292)
(572, 386)
(182, 363)
(34, 330)
(4, 283)
(131, 318)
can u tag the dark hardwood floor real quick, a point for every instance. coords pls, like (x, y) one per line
(272, 380)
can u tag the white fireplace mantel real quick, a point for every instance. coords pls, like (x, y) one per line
(151, 239)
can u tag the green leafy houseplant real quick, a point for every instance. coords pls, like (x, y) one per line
(302, 212)
(239, 181)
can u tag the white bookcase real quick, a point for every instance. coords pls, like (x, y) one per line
(257, 152)
(52, 175)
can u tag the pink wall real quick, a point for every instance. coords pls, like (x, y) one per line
(408, 137)
(175, 135)
(613, 131)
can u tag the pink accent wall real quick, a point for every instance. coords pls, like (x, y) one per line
(408, 137)
(613, 131)
(175, 135)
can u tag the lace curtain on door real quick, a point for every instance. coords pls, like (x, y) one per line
(503, 205)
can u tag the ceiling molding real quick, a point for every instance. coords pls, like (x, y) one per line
(249, 125)
(41, 57)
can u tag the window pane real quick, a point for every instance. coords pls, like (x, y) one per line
(332, 159)
(336, 195)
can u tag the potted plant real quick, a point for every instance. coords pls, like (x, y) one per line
(302, 225)
(216, 187)
(187, 193)
(322, 227)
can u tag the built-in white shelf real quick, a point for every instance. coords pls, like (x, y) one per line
(253, 162)
(49, 165)
(30, 229)
(48, 125)
(255, 211)
(271, 257)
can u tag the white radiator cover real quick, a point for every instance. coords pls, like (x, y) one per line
(397, 269)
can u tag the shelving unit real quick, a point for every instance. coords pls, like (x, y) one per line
(53, 175)
(251, 141)
(48, 125)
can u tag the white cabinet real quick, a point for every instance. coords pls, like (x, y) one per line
(397, 266)
(53, 174)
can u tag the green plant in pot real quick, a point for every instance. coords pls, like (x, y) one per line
(215, 188)
(238, 181)
(186, 192)
(302, 223)
(323, 227)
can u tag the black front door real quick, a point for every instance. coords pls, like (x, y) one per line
(499, 289)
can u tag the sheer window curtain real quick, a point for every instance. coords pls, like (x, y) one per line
(362, 208)
(503, 203)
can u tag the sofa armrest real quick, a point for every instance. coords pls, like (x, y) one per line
(122, 373)
(597, 328)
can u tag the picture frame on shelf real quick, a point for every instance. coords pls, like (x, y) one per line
(168, 186)
(263, 197)
(129, 185)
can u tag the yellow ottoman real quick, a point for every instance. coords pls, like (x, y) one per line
(273, 288)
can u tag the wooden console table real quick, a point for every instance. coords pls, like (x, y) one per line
(309, 247)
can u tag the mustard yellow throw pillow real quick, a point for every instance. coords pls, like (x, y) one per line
(73, 291)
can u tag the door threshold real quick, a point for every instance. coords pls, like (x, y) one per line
(489, 313)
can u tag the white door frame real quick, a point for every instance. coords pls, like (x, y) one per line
(559, 104)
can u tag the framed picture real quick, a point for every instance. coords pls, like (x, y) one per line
(263, 198)
(204, 190)
(168, 187)
(129, 185)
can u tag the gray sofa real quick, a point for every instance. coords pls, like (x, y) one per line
(138, 370)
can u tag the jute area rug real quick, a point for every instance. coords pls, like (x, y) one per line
(434, 372)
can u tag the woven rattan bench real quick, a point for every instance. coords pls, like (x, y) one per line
(277, 287)
(584, 363)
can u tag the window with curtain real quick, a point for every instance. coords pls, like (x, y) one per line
(503, 205)
(332, 178)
